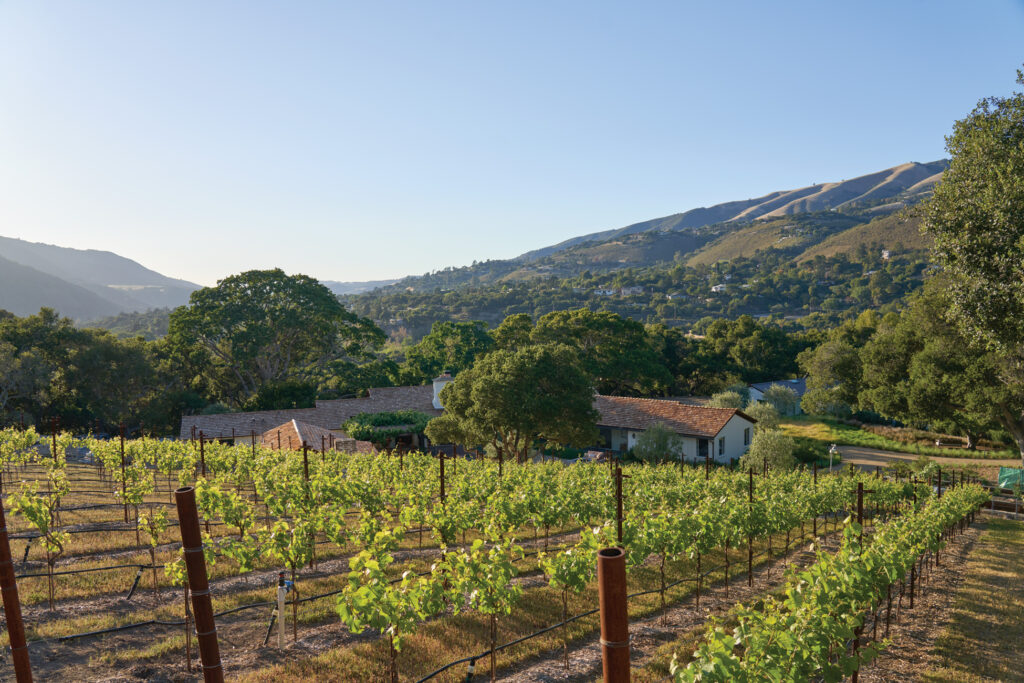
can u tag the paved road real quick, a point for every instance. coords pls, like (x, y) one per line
(869, 458)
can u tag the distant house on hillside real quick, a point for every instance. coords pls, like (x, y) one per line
(606, 292)
(798, 385)
(631, 291)
(717, 289)
(724, 434)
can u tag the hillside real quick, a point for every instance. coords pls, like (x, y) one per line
(903, 184)
(355, 287)
(149, 325)
(889, 232)
(790, 234)
(702, 235)
(118, 284)
(24, 290)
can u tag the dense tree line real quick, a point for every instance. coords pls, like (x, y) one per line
(265, 340)
(821, 291)
(954, 359)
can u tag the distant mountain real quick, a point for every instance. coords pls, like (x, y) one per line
(899, 186)
(355, 287)
(24, 290)
(792, 220)
(117, 284)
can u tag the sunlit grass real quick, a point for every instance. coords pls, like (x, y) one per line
(830, 431)
(982, 640)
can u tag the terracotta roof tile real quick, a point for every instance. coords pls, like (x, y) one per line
(642, 413)
(326, 415)
(293, 434)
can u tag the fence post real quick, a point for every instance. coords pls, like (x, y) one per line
(12, 606)
(815, 488)
(440, 457)
(750, 537)
(618, 504)
(199, 585)
(124, 484)
(611, 586)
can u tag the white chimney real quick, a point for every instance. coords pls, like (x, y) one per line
(439, 383)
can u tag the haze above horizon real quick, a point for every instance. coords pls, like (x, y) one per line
(376, 140)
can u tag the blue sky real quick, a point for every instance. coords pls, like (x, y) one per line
(357, 141)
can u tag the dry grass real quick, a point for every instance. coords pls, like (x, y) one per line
(982, 641)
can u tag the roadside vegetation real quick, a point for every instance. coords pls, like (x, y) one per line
(826, 430)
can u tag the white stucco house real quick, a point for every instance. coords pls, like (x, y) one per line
(724, 434)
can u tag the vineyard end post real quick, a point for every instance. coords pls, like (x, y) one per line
(124, 479)
(611, 583)
(12, 607)
(199, 585)
(618, 504)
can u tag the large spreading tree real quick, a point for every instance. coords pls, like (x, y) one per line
(263, 327)
(977, 219)
(451, 346)
(920, 369)
(614, 351)
(514, 400)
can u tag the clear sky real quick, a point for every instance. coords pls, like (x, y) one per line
(370, 140)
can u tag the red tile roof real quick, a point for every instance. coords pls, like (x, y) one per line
(293, 434)
(641, 413)
(326, 415)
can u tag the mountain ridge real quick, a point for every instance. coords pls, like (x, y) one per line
(912, 178)
(118, 284)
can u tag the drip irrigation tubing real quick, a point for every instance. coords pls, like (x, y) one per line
(257, 605)
(93, 569)
(560, 624)
(158, 622)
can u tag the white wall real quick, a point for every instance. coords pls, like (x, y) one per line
(732, 432)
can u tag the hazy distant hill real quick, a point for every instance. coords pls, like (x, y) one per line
(355, 287)
(117, 283)
(24, 290)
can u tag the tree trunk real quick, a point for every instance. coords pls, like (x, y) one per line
(1014, 423)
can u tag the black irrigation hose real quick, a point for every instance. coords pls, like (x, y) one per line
(256, 605)
(91, 530)
(150, 622)
(93, 569)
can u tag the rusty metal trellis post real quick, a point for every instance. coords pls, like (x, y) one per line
(611, 583)
(12, 606)
(199, 585)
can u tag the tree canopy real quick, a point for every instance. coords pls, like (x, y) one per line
(614, 351)
(265, 326)
(449, 346)
(977, 218)
(919, 368)
(514, 399)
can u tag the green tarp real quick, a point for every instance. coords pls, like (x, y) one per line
(1010, 477)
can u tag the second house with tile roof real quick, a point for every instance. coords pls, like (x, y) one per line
(723, 434)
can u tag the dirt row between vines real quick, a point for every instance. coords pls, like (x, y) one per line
(651, 632)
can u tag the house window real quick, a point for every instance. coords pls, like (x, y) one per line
(721, 445)
(746, 436)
